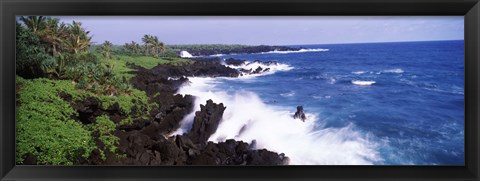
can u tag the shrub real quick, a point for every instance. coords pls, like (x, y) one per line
(45, 127)
(127, 101)
(104, 127)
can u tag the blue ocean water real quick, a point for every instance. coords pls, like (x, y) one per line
(412, 113)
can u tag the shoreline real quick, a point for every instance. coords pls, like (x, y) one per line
(209, 122)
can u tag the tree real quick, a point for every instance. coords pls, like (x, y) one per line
(30, 54)
(78, 39)
(34, 23)
(54, 35)
(106, 49)
(133, 47)
(147, 41)
(152, 45)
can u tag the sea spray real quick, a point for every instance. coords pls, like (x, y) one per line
(248, 118)
(271, 67)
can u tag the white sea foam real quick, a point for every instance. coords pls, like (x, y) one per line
(252, 66)
(288, 94)
(359, 72)
(248, 118)
(185, 54)
(363, 82)
(395, 71)
(298, 51)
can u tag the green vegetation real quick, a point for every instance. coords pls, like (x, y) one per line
(104, 127)
(29, 53)
(126, 102)
(106, 49)
(122, 70)
(45, 127)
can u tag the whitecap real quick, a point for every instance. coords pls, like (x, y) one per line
(363, 82)
(395, 71)
(288, 94)
(359, 72)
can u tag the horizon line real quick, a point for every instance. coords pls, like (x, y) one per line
(407, 41)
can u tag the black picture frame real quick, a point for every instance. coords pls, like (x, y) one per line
(470, 9)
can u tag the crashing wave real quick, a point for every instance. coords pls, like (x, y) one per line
(257, 68)
(248, 118)
(185, 54)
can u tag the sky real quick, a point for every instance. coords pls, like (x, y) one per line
(271, 30)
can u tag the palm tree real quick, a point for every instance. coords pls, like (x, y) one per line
(132, 47)
(54, 34)
(34, 23)
(147, 41)
(161, 47)
(128, 48)
(78, 39)
(155, 46)
(152, 45)
(136, 47)
(106, 49)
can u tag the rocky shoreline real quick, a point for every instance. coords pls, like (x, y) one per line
(206, 51)
(147, 141)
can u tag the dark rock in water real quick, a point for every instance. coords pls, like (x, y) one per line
(253, 144)
(234, 62)
(300, 114)
(206, 122)
(156, 80)
(258, 70)
(172, 110)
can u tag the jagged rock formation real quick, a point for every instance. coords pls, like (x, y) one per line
(206, 122)
(300, 114)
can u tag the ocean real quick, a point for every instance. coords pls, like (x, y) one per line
(367, 104)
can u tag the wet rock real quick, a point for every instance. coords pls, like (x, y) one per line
(258, 70)
(300, 114)
(234, 62)
(206, 121)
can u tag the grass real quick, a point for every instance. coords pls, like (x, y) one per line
(120, 63)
